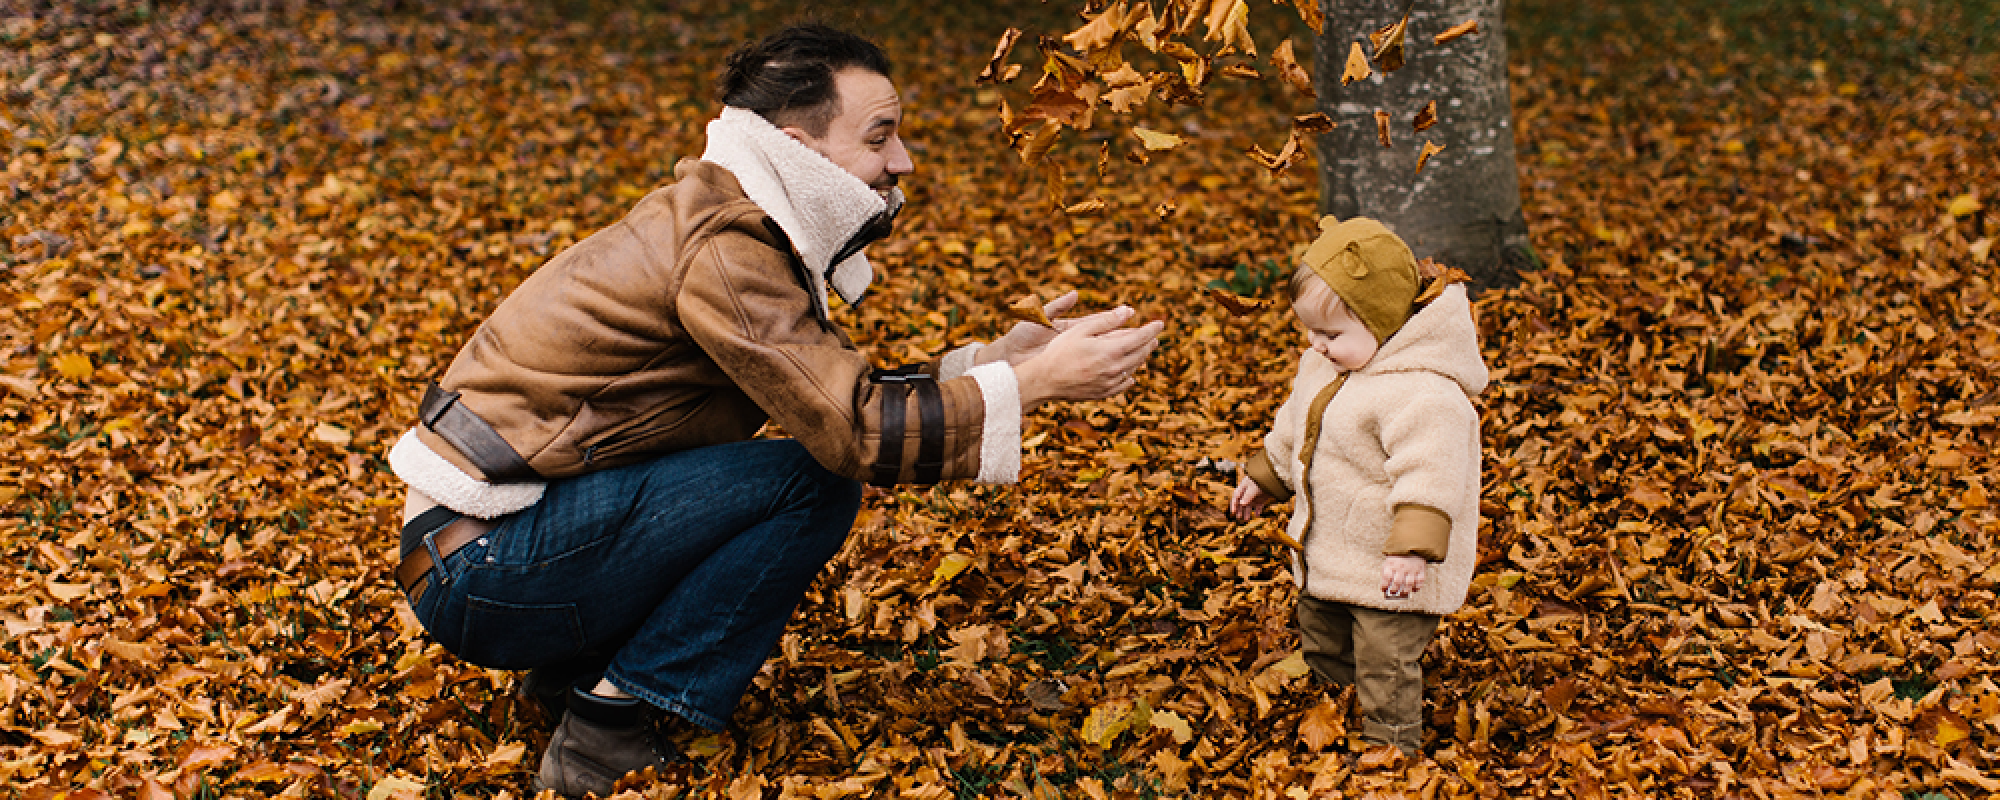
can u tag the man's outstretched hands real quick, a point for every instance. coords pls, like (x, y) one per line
(1026, 339)
(1087, 358)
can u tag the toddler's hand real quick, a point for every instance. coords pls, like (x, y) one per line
(1248, 500)
(1402, 576)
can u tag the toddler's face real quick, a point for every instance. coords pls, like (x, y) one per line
(1333, 330)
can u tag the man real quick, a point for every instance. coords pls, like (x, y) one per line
(586, 498)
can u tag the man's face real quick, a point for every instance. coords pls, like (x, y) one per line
(864, 138)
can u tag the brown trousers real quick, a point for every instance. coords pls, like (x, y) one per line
(1379, 654)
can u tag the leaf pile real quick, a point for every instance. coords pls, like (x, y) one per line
(1739, 533)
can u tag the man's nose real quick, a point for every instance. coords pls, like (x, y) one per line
(899, 158)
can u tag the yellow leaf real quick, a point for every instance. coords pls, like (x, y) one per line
(263, 772)
(1155, 140)
(65, 592)
(1964, 205)
(1357, 65)
(506, 755)
(396, 787)
(1951, 731)
(1173, 723)
(150, 653)
(949, 567)
(332, 434)
(1130, 449)
(1106, 722)
(360, 727)
(1980, 249)
(74, 366)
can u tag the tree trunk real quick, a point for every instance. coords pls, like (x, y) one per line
(1464, 207)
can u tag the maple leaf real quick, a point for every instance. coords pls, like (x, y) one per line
(1357, 65)
(1288, 68)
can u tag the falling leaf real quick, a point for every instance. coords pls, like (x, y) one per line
(1233, 304)
(1430, 149)
(1455, 31)
(1382, 129)
(1357, 65)
(1155, 140)
(1228, 22)
(1426, 116)
(1092, 206)
(1389, 45)
(1288, 68)
(1314, 123)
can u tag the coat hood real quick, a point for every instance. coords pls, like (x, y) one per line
(1442, 338)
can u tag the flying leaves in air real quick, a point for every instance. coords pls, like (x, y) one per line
(1156, 140)
(1430, 149)
(1357, 65)
(1426, 116)
(1389, 44)
(1236, 306)
(1455, 31)
(1288, 68)
(996, 70)
(1382, 128)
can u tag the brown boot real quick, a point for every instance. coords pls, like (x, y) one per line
(599, 741)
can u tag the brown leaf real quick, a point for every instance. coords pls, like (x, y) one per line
(1426, 116)
(1233, 304)
(1382, 128)
(1289, 69)
(1430, 149)
(1455, 31)
(1314, 123)
(995, 71)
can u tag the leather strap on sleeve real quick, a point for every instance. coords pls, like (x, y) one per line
(474, 437)
(930, 421)
(889, 457)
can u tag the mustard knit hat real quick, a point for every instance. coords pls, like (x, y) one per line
(1371, 269)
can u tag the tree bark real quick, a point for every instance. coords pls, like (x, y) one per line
(1464, 207)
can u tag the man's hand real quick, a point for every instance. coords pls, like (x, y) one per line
(1248, 500)
(1402, 576)
(1091, 359)
(1026, 339)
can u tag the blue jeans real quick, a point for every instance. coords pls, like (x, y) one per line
(677, 574)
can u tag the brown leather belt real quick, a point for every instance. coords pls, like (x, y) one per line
(417, 564)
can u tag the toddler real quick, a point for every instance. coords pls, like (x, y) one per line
(1380, 442)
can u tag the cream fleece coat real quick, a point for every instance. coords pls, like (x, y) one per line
(1401, 430)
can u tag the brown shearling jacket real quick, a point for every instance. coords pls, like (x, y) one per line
(682, 325)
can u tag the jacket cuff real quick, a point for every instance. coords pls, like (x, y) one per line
(426, 471)
(1000, 438)
(1258, 467)
(958, 362)
(1419, 531)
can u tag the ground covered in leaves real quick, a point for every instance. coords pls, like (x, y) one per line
(1739, 533)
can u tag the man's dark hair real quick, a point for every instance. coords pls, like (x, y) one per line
(788, 76)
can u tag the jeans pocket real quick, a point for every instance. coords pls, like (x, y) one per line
(511, 636)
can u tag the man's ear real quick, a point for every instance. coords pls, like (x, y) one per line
(798, 134)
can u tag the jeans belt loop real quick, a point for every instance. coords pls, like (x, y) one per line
(439, 576)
